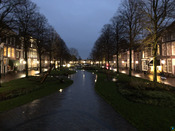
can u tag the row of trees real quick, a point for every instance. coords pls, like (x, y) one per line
(136, 22)
(24, 18)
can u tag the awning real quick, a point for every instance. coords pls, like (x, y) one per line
(151, 63)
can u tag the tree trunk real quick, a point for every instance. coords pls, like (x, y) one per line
(130, 50)
(50, 55)
(26, 59)
(117, 55)
(60, 63)
(130, 61)
(40, 65)
(117, 63)
(155, 62)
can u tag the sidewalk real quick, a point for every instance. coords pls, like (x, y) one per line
(168, 81)
(12, 75)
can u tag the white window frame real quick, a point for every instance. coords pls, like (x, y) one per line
(168, 69)
(173, 48)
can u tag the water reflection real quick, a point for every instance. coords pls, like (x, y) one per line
(96, 77)
(83, 76)
(77, 107)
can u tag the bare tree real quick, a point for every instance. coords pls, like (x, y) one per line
(131, 20)
(24, 14)
(74, 54)
(6, 15)
(157, 14)
(107, 41)
(40, 35)
(118, 28)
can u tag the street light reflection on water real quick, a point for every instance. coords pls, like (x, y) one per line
(96, 78)
(83, 76)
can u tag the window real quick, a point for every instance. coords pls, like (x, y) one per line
(158, 49)
(5, 51)
(9, 52)
(143, 55)
(7, 40)
(11, 39)
(14, 40)
(169, 49)
(165, 68)
(173, 48)
(144, 66)
(164, 50)
(17, 54)
(168, 37)
(149, 50)
(169, 62)
(173, 36)
(146, 53)
(13, 52)
(163, 38)
(24, 54)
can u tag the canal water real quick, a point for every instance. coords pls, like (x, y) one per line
(76, 108)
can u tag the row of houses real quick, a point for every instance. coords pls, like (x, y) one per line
(12, 55)
(142, 58)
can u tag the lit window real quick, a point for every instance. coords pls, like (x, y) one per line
(11, 39)
(164, 51)
(13, 52)
(17, 55)
(5, 51)
(169, 49)
(173, 48)
(7, 40)
(169, 65)
(158, 50)
(9, 52)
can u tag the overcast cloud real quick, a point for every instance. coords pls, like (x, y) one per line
(78, 22)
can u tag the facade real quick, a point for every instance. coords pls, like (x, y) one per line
(124, 60)
(168, 52)
(142, 60)
(13, 55)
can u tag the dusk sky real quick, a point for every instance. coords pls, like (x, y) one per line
(79, 22)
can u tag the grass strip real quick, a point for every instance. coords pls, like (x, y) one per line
(144, 117)
(50, 86)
